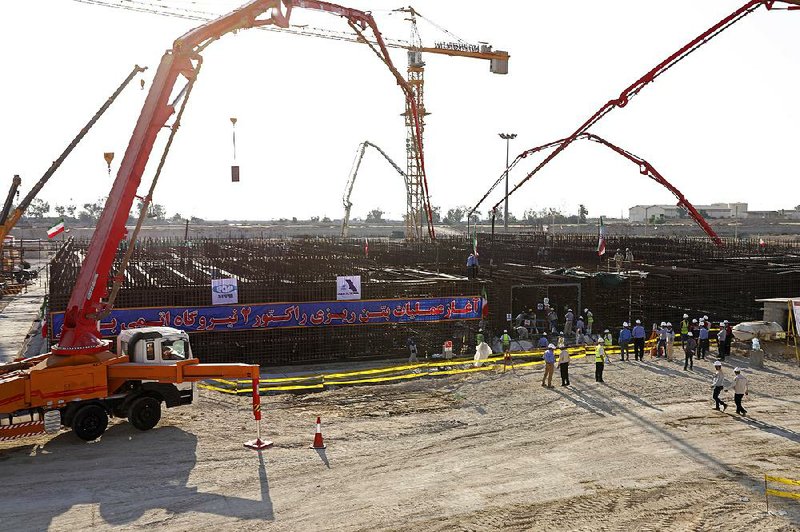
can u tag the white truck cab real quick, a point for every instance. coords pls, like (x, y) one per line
(154, 345)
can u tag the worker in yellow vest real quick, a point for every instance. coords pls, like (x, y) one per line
(599, 361)
(506, 341)
(608, 341)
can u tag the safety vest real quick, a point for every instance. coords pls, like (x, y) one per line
(506, 339)
(599, 354)
(479, 338)
(684, 327)
(589, 318)
(608, 340)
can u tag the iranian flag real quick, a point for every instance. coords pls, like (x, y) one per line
(484, 303)
(366, 247)
(601, 240)
(475, 244)
(56, 229)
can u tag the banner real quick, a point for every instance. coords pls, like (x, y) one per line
(286, 315)
(348, 287)
(224, 291)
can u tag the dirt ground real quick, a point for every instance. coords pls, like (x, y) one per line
(644, 451)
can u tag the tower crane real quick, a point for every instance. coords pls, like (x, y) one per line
(418, 210)
(348, 189)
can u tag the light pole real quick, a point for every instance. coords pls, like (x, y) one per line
(507, 137)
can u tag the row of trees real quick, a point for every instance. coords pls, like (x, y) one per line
(89, 212)
(458, 215)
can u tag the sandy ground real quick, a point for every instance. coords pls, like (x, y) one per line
(645, 451)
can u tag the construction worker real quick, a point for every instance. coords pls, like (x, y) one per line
(689, 347)
(684, 327)
(718, 384)
(739, 390)
(412, 349)
(561, 341)
(543, 340)
(638, 341)
(552, 317)
(580, 326)
(472, 266)
(618, 258)
(728, 337)
(563, 366)
(721, 338)
(670, 339)
(702, 348)
(624, 339)
(479, 339)
(506, 341)
(569, 318)
(589, 320)
(599, 361)
(661, 347)
(549, 365)
(628, 255)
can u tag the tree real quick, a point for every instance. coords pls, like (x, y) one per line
(454, 216)
(37, 209)
(195, 219)
(436, 214)
(314, 219)
(155, 210)
(326, 220)
(582, 212)
(375, 215)
(682, 214)
(475, 217)
(177, 217)
(65, 211)
(91, 211)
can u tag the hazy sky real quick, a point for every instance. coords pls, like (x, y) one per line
(722, 125)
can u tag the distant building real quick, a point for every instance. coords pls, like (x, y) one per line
(641, 213)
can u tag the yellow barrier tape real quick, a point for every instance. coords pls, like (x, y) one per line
(785, 494)
(783, 480)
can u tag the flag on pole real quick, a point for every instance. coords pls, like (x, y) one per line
(56, 229)
(484, 303)
(475, 244)
(601, 240)
(366, 247)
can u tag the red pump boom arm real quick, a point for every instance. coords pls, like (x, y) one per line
(80, 334)
(651, 76)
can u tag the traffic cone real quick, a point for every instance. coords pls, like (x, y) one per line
(318, 443)
(258, 444)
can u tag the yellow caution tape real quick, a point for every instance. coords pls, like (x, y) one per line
(782, 480)
(786, 494)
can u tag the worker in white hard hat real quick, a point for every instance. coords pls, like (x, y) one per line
(728, 337)
(703, 340)
(684, 327)
(563, 366)
(569, 318)
(661, 346)
(589, 320)
(506, 341)
(599, 361)
(721, 338)
(670, 339)
(689, 347)
(739, 390)
(638, 341)
(624, 340)
(718, 384)
(549, 365)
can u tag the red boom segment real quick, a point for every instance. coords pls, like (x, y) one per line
(639, 84)
(80, 334)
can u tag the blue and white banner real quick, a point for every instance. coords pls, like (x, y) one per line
(282, 315)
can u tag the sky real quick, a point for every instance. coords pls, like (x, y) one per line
(721, 125)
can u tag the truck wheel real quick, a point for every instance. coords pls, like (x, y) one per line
(145, 413)
(90, 422)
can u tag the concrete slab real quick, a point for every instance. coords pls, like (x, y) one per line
(18, 322)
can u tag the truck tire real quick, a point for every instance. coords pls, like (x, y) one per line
(90, 422)
(145, 413)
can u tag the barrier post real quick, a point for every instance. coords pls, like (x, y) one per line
(257, 444)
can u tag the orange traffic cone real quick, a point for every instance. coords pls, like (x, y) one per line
(318, 443)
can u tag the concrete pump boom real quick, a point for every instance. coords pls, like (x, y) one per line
(80, 334)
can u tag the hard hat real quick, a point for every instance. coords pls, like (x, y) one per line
(663, 324)
(561, 333)
(669, 324)
(570, 310)
(705, 317)
(580, 317)
(544, 334)
(625, 324)
(689, 334)
(586, 310)
(606, 331)
(638, 322)
(725, 322)
(550, 346)
(694, 321)
(717, 364)
(736, 370)
(685, 315)
(480, 330)
(505, 330)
